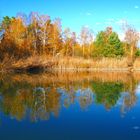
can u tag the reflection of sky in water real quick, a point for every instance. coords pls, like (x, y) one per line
(138, 90)
(73, 111)
(121, 99)
(137, 93)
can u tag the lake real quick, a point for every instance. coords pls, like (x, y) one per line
(70, 106)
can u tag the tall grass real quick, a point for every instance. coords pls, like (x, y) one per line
(137, 64)
(69, 63)
(77, 64)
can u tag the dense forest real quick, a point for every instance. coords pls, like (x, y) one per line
(23, 37)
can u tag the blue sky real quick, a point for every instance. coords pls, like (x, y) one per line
(97, 14)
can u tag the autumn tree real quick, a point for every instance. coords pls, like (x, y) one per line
(17, 32)
(14, 39)
(6, 22)
(33, 32)
(56, 37)
(69, 42)
(86, 37)
(44, 23)
(4, 25)
(1, 35)
(131, 37)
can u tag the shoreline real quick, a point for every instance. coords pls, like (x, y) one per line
(68, 64)
(41, 70)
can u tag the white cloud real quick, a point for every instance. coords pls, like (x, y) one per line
(98, 23)
(88, 14)
(136, 7)
(120, 22)
(86, 26)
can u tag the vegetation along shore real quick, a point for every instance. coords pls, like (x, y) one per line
(36, 42)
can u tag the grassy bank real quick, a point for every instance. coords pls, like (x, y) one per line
(43, 63)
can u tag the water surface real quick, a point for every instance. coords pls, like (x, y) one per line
(70, 106)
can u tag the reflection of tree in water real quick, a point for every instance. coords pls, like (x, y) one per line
(68, 93)
(129, 98)
(40, 102)
(67, 96)
(107, 93)
(12, 101)
(19, 99)
(45, 102)
(83, 96)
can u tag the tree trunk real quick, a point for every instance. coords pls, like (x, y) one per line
(83, 51)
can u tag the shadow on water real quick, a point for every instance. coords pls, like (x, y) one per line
(44, 94)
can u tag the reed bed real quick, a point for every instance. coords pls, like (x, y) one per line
(137, 64)
(81, 64)
(76, 64)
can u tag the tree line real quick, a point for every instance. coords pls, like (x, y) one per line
(24, 36)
